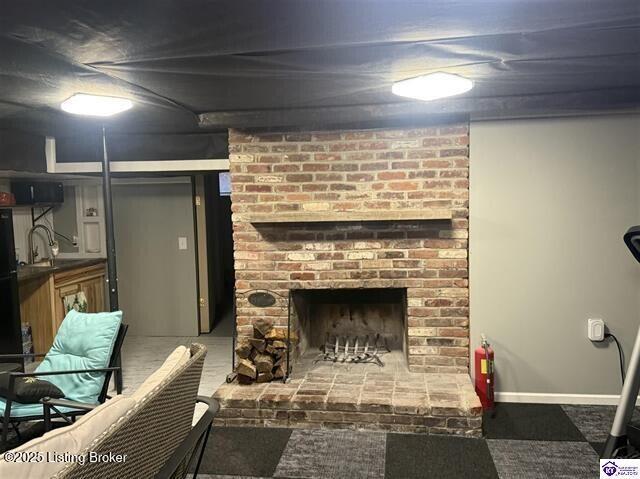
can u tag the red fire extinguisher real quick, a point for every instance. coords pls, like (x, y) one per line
(484, 374)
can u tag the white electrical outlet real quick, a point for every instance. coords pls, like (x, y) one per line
(595, 329)
(182, 242)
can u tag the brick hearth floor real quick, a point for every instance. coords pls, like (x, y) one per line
(357, 396)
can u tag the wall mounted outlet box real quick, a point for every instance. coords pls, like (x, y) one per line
(182, 242)
(595, 329)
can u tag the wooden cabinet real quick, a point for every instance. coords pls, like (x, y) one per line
(36, 309)
(88, 280)
(42, 299)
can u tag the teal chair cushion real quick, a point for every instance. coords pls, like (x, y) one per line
(83, 341)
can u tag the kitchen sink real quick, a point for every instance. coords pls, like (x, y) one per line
(40, 264)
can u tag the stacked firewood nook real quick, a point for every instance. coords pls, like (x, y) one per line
(262, 357)
(366, 233)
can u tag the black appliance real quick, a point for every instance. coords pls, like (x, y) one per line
(37, 192)
(10, 326)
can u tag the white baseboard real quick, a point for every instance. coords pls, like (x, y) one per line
(545, 398)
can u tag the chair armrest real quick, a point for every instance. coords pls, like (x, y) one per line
(58, 373)
(15, 375)
(23, 355)
(70, 404)
(187, 446)
(214, 405)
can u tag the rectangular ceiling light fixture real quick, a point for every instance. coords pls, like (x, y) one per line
(432, 86)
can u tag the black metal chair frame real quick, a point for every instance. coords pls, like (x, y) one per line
(49, 408)
(187, 452)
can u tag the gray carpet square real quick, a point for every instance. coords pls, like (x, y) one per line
(329, 454)
(419, 456)
(543, 459)
(530, 422)
(219, 476)
(594, 422)
(243, 451)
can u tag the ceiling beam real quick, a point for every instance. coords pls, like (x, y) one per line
(544, 105)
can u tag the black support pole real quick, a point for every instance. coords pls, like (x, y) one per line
(112, 275)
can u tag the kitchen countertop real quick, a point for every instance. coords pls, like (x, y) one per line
(30, 272)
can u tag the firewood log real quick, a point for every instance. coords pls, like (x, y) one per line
(264, 377)
(243, 348)
(261, 327)
(281, 334)
(242, 379)
(246, 368)
(282, 361)
(259, 344)
(264, 363)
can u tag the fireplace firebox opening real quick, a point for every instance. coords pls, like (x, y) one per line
(349, 327)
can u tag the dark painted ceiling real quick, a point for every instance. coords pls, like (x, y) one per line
(296, 63)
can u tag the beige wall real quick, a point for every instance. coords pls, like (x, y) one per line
(550, 201)
(156, 280)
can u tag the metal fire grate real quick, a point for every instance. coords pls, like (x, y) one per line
(354, 349)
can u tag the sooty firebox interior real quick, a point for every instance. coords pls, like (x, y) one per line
(351, 326)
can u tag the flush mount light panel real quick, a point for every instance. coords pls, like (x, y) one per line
(432, 86)
(95, 105)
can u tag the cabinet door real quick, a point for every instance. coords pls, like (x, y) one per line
(94, 291)
(89, 281)
(60, 293)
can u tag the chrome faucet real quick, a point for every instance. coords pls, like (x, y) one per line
(53, 244)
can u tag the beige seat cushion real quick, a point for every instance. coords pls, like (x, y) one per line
(198, 412)
(70, 439)
(176, 359)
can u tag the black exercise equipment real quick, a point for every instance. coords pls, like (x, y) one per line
(624, 438)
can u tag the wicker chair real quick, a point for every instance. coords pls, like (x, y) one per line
(157, 434)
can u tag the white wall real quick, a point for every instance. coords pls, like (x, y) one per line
(550, 201)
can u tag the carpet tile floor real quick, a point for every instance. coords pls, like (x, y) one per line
(520, 441)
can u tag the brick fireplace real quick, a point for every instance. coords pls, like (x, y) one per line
(351, 212)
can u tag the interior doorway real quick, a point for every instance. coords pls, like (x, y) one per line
(215, 253)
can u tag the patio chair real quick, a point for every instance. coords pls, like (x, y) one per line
(158, 435)
(156, 432)
(84, 354)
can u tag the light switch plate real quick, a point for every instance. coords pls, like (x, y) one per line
(182, 242)
(595, 329)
